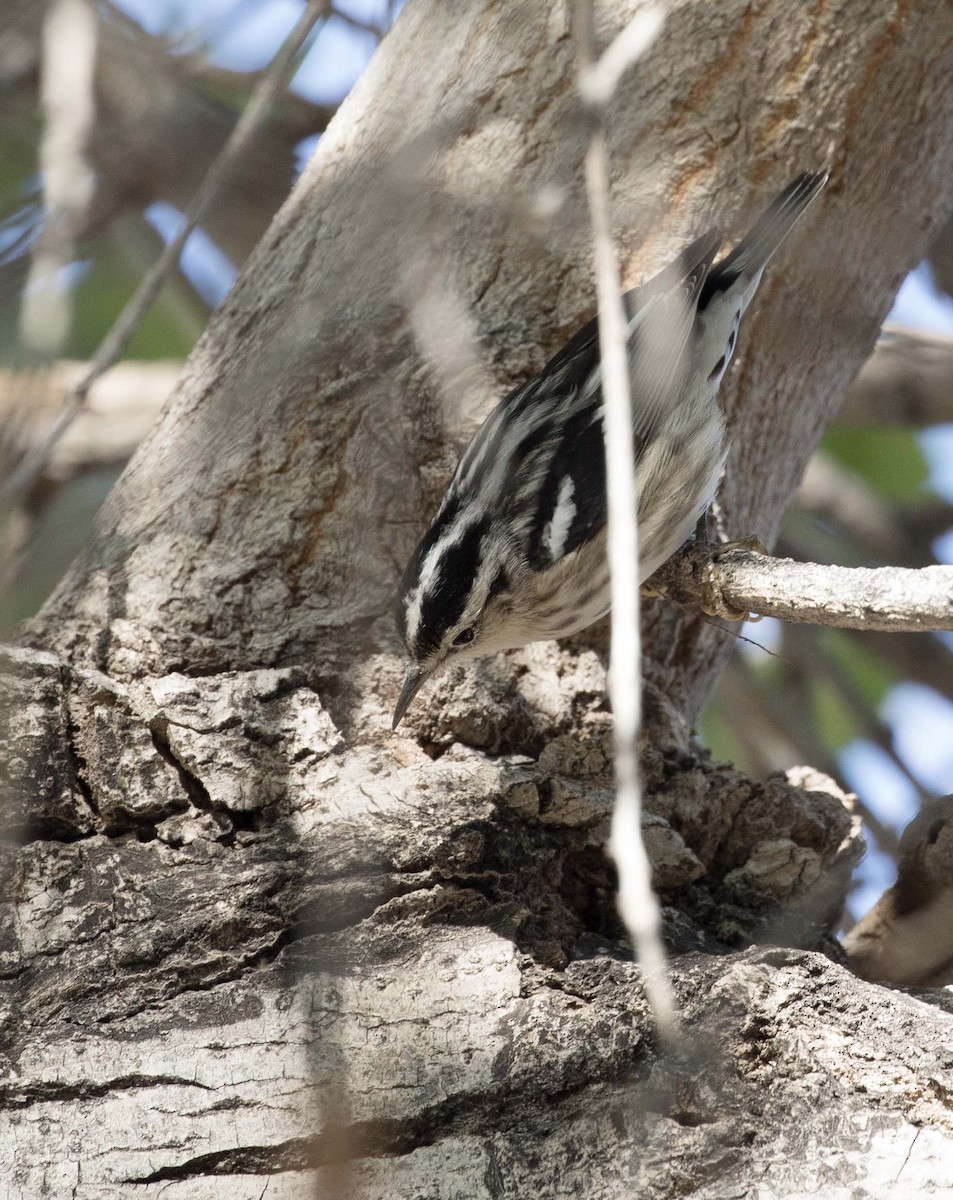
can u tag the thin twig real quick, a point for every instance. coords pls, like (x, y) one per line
(638, 904)
(598, 81)
(371, 27)
(272, 83)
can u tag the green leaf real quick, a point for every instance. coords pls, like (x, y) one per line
(833, 721)
(888, 459)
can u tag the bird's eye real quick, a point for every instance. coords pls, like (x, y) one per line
(464, 637)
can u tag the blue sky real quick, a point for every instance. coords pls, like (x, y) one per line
(244, 34)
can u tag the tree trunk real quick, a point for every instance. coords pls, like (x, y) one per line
(256, 944)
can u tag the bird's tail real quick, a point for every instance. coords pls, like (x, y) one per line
(752, 254)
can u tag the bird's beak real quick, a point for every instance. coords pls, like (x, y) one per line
(412, 685)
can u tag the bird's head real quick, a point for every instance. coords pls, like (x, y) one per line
(459, 598)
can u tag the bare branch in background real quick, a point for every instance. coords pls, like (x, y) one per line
(925, 659)
(372, 27)
(813, 665)
(120, 409)
(638, 904)
(884, 531)
(162, 115)
(273, 81)
(775, 726)
(892, 599)
(67, 95)
(940, 258)
(908, 380)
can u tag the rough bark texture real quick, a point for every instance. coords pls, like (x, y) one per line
(262, 951)
(253, 936)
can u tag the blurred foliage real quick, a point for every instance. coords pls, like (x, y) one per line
(833, 720)
(890, 460)
(163, 112)
(108, 280)
(870, 675)
(103, 285)
(58, 533)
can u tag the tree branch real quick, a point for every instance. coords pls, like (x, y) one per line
(891, 599)
(67, 93)
(907, 380)
(121, 408)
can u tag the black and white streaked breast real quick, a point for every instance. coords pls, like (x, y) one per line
(530, 488)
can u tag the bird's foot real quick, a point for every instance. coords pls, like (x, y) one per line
(705, 553)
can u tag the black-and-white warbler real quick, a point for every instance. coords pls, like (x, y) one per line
(516, 552)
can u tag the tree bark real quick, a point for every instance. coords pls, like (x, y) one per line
(256, 944)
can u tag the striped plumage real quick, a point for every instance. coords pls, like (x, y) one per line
(516, 551)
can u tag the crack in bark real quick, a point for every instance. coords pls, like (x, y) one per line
(59, 1092)
(74, 755)
(459, 1115)
(673, 1094)
(193, 787)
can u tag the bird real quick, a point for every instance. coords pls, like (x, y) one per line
(516, 552)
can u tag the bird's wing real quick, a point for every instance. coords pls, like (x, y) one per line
(660, 315)
(570, 480)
